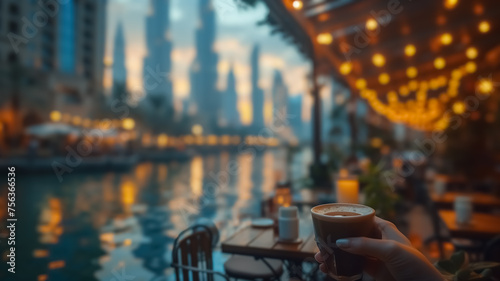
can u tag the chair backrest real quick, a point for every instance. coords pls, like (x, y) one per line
(492, 250)
(192, 254)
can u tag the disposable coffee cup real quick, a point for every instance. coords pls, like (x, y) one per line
(336, 221)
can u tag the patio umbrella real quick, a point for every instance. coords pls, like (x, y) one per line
(46, 130)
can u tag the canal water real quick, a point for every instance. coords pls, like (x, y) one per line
(118, 226)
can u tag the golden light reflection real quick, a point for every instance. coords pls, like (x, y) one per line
(196, 179)
(244, 182)
(197, 130)
(127, 193)
(162, 140)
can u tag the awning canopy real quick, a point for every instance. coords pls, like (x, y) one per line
(411, 60)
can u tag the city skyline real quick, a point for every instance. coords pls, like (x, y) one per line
(229, 44)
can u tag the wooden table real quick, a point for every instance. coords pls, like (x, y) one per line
(263, 243)
(483, 226)
(479, 199)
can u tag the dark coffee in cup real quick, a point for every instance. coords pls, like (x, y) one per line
(341, 220)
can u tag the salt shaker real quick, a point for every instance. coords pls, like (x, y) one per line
(463, 209)
(288, 223)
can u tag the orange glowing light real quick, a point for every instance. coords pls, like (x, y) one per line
(411, 72)
(410, 50)
(439, 63)
(484, 26)
(345, 68)
(471, 53)
(378, 60)
(324, 38)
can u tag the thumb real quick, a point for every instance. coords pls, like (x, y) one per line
(383, 250)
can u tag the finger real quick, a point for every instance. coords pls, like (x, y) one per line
(390, 231)
(323, 268)
(318, 257)
(383, 250)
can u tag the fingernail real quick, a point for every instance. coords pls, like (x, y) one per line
(343, 243)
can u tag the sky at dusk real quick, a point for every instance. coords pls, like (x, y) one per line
(237, 32)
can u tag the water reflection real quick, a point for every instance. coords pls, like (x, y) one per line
(101, 226)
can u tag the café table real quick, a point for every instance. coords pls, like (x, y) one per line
(263, 243)
(482, 226)
(480, 200)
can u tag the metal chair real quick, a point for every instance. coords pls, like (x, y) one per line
(192, 255)
(192, 259)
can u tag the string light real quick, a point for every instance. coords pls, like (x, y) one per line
(361, 84)
(450, 4)
(446, 39)
(378, 60)
(471, 67)
(410, 50)
(485, 86)
(484, 26)
(439, 63)
(128, 123)
(345, 68)
(459, 107)
(471, 53)
(371, 24)
(384, 78)
(324, 38)
(411, 72)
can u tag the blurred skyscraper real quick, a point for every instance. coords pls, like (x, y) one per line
(57, 47)
(203, 73)
(280, 99)
(257, 92)
(119, 69)
(230, 114)
(295, 116)
(158, 63)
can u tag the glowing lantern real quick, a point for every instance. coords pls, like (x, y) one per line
(55, 116)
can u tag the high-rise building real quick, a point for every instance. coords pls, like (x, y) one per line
(280, 99)
(295, 116)
(204, 68)
(230, 114)
(158, 63)
(257, 92)
(57, 47)
(119, 69)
